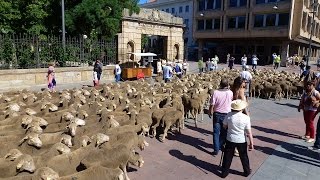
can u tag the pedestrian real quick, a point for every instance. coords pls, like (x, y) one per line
(307, 76)
(316, 145)
(159, 68)
(296, 60)
(215, 62)
(220, 104)
(231, 63)
(244, 61)
(274, 55)
(238, 89)
(228, 58)
(178, 69)
(51, 79)
(246, 75)
(238, 126)
(200, 65)
(309, 103)
(117, 72)
(208, 65)
(97, 67)
(167, 72)
(185, 66)
(277, 61)
(254, 62)
(318, 64)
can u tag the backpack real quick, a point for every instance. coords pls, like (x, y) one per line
(177, 68)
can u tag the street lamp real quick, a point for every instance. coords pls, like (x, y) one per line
(63, 28)
(314, 6)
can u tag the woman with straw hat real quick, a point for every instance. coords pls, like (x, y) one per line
(238, 126)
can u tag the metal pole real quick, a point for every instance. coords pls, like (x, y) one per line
(63, 28)
(311, 32)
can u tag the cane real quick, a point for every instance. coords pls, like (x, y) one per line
(222, 154)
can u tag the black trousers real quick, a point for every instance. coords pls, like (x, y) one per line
(228, 156)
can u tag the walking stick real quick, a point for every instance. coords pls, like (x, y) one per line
(222, 154)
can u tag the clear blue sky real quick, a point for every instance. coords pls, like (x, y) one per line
(142, 1)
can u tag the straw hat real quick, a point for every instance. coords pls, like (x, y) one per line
(238, 105)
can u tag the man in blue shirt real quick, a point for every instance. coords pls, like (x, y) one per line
(167, 72)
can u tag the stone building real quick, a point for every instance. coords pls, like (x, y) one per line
(150, 22)
(259, 27)
(179, 8)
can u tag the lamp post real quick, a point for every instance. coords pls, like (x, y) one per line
(63, 28)
(314, 6)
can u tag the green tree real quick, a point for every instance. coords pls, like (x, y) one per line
(9, 13)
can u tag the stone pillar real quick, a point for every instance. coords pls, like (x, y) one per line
(200, 49)
(284, 52)
(121, 48)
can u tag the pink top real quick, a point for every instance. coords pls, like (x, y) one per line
(221, 100)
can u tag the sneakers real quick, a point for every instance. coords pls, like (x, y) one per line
(304, 137)
(313, 148)
(310, 140)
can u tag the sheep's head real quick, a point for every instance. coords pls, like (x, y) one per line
(136, 160)
(67, 140)
(62, 148)
(26, 120)
(67, 116)
(85, 140)
(46, 173)
(72, 128)
(34, 127)
(145, 128)
(78, 121)
(13, 107)
(49, 105)
(33, 140)
(100, 139)
(86, 92)
(25, 163)
(142, 143)
(41, 122)
(83, 113)
(13, 154)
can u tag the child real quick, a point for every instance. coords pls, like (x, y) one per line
(95, 79)
(51, 77)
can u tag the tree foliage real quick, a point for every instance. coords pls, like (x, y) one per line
(90, 17)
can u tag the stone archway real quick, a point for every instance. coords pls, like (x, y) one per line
(150, 22)
(176, 51)
(130, 49)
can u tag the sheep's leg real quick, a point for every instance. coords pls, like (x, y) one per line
(165, 132)
(154, 128)
(125, 173)
(195, 119)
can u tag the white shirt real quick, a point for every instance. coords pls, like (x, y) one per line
(244, 59)
(159, 66)
(255, 60)
(185, 65)
(246, 75)
(118, 69)
(167, 71)
(237, 123)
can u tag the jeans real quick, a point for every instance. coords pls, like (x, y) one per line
(117, 77)
(317, 142)
(254, 66)
(219, 133)
(228, 156)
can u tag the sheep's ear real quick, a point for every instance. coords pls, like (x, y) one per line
(23, 140)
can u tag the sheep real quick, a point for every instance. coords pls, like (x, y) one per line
(97, 173)
(66, 139)
(170, 118)
(99, 139)
(13, 154)
(33, 140)
(11, 168)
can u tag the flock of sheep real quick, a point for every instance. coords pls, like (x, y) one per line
(94, 133)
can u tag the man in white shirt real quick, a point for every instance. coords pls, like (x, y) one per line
(254, 62)
(238, 126)
(245, 74)
(117, 72)
(244, 61)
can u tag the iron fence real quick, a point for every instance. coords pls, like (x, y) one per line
(22, 51)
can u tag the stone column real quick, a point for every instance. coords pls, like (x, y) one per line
(200, 49)
(284, 52)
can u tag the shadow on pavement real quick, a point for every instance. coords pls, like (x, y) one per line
(272, 131)
(299, 157)
(288, 104)
(202, 165)
(200, 130)
(195, 142)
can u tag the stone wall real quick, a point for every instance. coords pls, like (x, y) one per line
(15, 78)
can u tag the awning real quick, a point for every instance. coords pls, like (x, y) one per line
(143, 54)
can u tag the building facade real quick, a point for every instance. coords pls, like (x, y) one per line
(259, 27)
(179, 8)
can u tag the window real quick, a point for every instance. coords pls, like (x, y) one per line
(210, 4)
(167, 10)
(304, 21)
(271, 1)
(209, 24)
(216, 24)
(201, 5)
(180, 9)
(173, 10)
(187, 8)
(283, 19)
(232, 22)
(271, 20)
(200, 24)
(233, 3)
(186, 22)
(218, 4)
(258, 20)
(241, 22)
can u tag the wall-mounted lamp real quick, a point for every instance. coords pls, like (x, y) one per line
(275, 7)
(201, 14)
